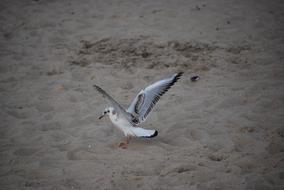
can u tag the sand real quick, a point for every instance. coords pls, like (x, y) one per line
(224, 131)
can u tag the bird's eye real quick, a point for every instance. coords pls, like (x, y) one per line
(107, 111)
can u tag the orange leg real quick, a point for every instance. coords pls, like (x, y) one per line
(124, 144)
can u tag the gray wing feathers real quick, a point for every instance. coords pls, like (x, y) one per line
(144, 102)
(112, 101)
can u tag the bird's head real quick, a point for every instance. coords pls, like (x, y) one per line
(107, 111)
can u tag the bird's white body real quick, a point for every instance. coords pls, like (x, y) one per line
(120, 122)
(126, 127)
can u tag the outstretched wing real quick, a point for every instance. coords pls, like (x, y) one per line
(116, 105)
(145, 100)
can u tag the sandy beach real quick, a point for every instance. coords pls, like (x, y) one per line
(224, 131)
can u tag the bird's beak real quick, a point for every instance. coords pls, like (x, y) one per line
(101, 116)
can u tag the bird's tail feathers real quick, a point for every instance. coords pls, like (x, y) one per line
(144, 133)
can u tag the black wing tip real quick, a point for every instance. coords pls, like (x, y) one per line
(177, 76)
(97, 87)
(154, 135)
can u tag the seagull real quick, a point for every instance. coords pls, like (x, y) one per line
(128, 120)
